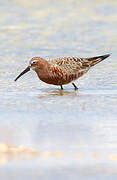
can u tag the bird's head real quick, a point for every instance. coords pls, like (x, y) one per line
(36, 63)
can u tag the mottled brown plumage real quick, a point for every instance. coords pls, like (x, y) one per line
(61, 71)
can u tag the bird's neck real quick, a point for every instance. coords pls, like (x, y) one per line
(43, 71)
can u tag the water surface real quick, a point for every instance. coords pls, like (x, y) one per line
(46, 133)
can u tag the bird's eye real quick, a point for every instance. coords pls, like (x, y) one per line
(34, 62)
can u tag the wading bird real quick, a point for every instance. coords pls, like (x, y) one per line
(61, 71)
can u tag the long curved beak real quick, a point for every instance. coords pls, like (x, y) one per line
(23, 72)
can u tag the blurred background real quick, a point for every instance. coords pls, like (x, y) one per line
(46, 133)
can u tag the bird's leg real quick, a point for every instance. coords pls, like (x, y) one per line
(61, 87)
(76, 88)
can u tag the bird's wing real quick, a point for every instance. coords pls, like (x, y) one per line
(67, 69)
(71, 65)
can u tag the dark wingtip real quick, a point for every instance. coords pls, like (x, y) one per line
(97, 59)
(106, 55)
(102, 57)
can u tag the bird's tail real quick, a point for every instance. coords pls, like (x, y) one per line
(94, 60)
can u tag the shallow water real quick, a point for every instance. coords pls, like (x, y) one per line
(46, 133)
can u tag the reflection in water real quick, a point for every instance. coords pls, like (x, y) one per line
(59, 93)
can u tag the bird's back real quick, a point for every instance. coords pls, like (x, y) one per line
(74, 64)
(68, 65)
(67, 69)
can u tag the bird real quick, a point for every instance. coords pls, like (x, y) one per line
(61, 71)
